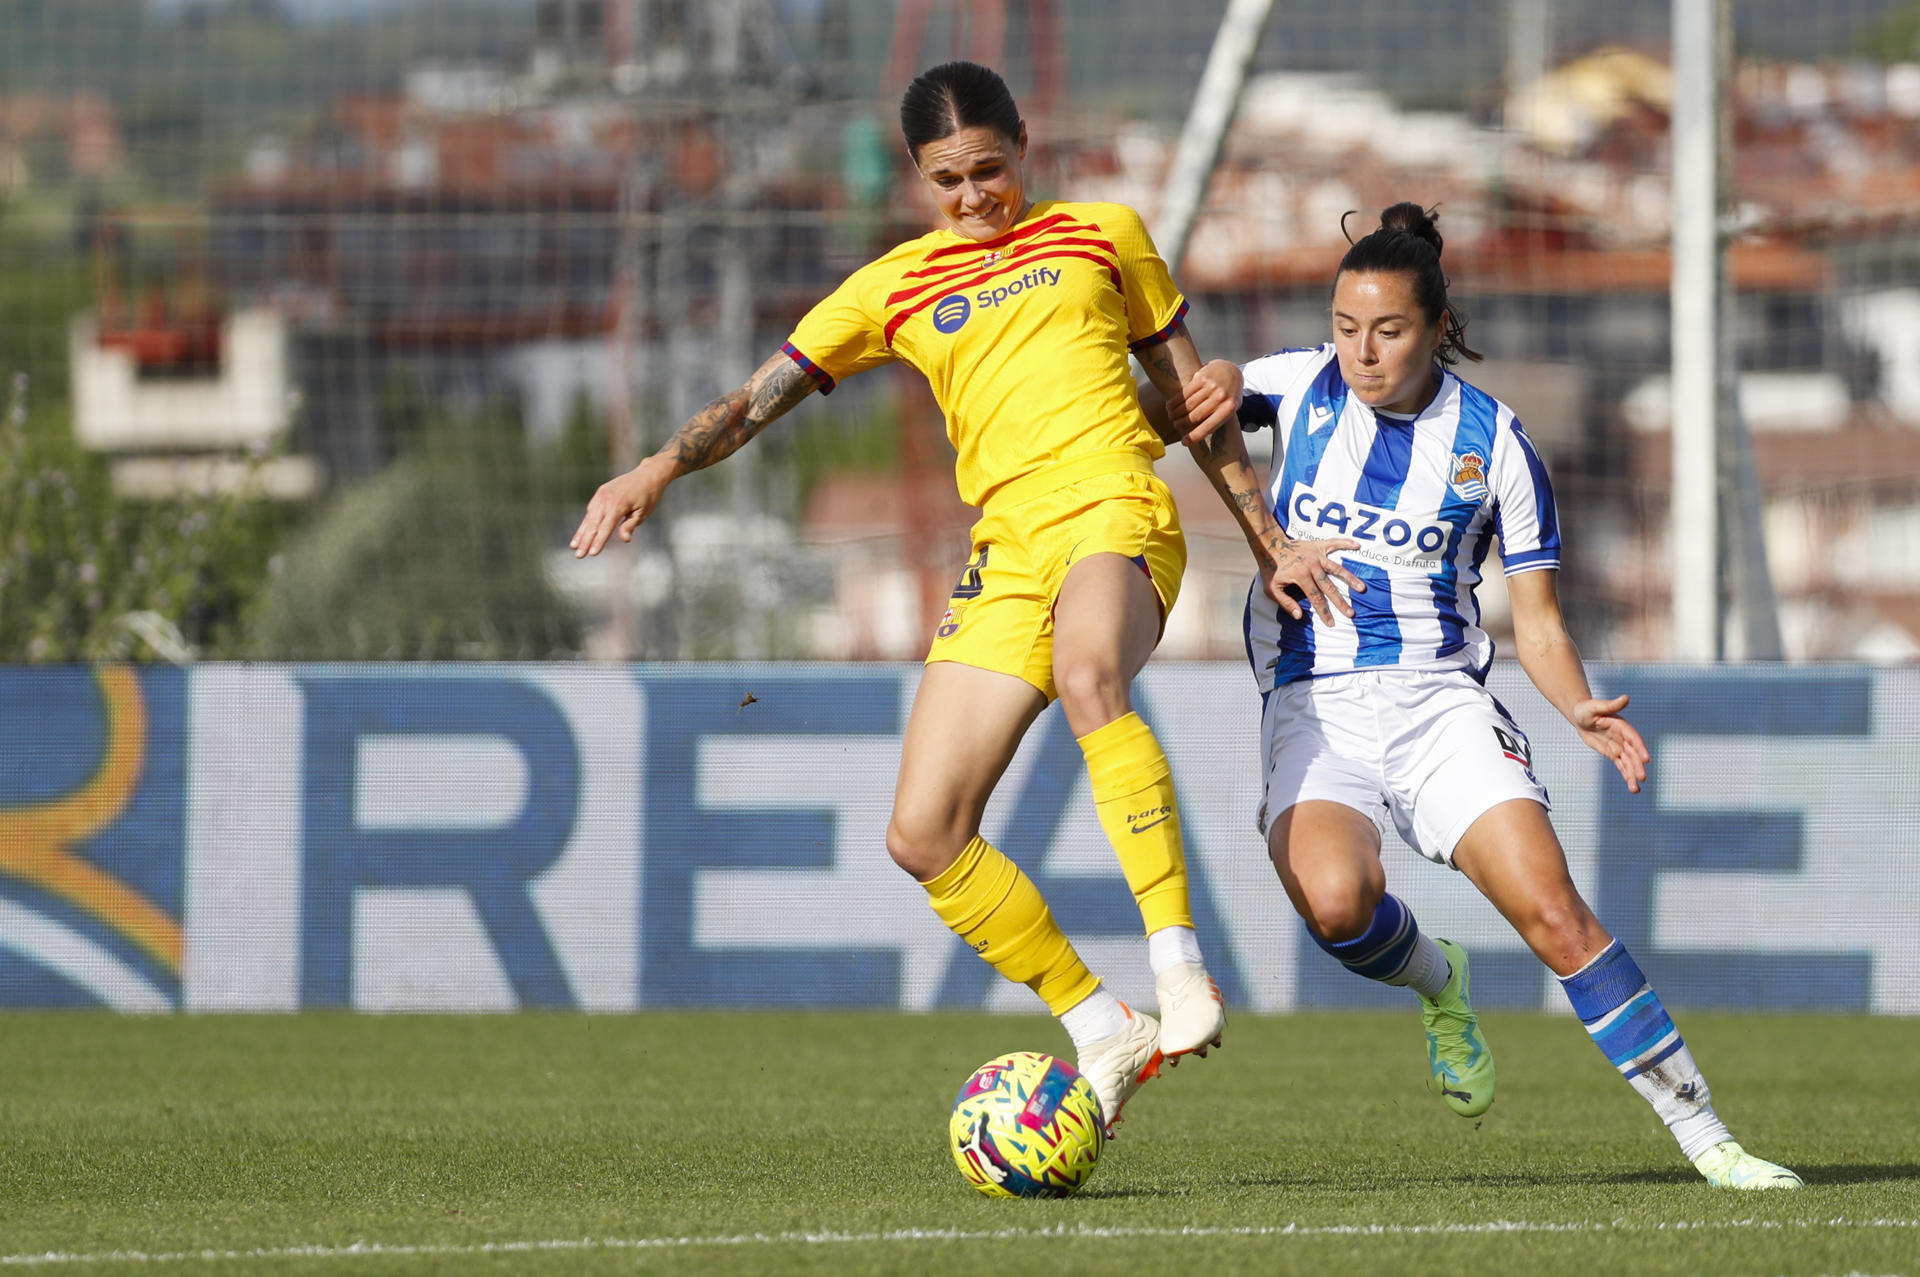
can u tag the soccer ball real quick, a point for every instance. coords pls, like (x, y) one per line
(1026, 1125)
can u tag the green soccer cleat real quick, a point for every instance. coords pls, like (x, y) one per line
(1727, 1165)
(1457, 1054)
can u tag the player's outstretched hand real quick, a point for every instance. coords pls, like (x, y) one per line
(1298, 573)
(1206, 402)
(618, 507)
(1601, 726)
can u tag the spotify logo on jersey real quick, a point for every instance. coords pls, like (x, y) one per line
(951, 313)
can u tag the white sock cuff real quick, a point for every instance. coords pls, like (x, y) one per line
(1699, 1132)
(1171, 946)
(1096, 1016)
(1427, 970)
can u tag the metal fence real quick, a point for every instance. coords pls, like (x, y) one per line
(321, 320)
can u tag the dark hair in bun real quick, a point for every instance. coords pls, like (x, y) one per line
(1408, 243)
(954, 96)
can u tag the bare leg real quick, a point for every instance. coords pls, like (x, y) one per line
(963, 730)
(1328, 858)
(1106, 624)
(1513, 856)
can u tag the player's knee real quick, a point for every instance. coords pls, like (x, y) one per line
(1564, 923)
(922, 848)
(1091, 692)
(1339, 912)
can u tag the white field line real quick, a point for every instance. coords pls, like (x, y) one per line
(907, 1235)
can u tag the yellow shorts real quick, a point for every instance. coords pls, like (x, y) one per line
(1001, 614)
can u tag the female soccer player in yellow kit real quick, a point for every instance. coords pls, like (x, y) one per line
(1021, 316)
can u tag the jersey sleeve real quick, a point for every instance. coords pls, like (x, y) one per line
(1154, 305)
(1265, 383)
(1258, 411)
(1524, 516)
(840, 336)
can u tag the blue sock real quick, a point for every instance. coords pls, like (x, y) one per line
(1626, 1021)
(1392, 950)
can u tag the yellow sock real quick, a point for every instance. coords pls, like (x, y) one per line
(1133, 793)
(986, 901)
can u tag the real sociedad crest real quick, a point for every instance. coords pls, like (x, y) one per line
(1469, 481)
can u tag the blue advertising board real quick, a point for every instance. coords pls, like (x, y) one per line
(479, 838)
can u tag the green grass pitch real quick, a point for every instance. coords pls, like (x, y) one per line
(816, 1143)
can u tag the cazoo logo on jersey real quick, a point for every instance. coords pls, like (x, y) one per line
(1385, 537)
(952, 312)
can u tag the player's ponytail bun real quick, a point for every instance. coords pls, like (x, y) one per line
(1408, 243)
(1410, 219)
(954, 96)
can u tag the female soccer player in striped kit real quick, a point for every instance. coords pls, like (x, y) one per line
(1021, 317)
(1380, 443)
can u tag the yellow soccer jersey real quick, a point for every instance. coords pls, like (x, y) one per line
(1024, 337)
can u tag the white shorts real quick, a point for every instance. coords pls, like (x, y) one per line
(1431, 748)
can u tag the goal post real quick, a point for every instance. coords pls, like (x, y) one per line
(1214, 103)
(1723, 599)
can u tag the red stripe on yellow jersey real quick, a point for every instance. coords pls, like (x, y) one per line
(1024, 338)
(1006, 268)
(1005, 259)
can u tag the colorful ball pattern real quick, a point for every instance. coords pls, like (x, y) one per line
(1026, 1125)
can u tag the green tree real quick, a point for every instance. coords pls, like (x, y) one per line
(87, 575)
(438, 557)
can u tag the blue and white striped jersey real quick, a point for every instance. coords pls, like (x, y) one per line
(1424, 498)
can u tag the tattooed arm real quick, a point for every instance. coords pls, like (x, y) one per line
(1294, 572)
(717, 431)
(1215, 442)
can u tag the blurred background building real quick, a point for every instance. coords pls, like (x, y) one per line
(322, 319)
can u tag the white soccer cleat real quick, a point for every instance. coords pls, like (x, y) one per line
(1727, 1165)
(1116, 1065)
(1192, 1016)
